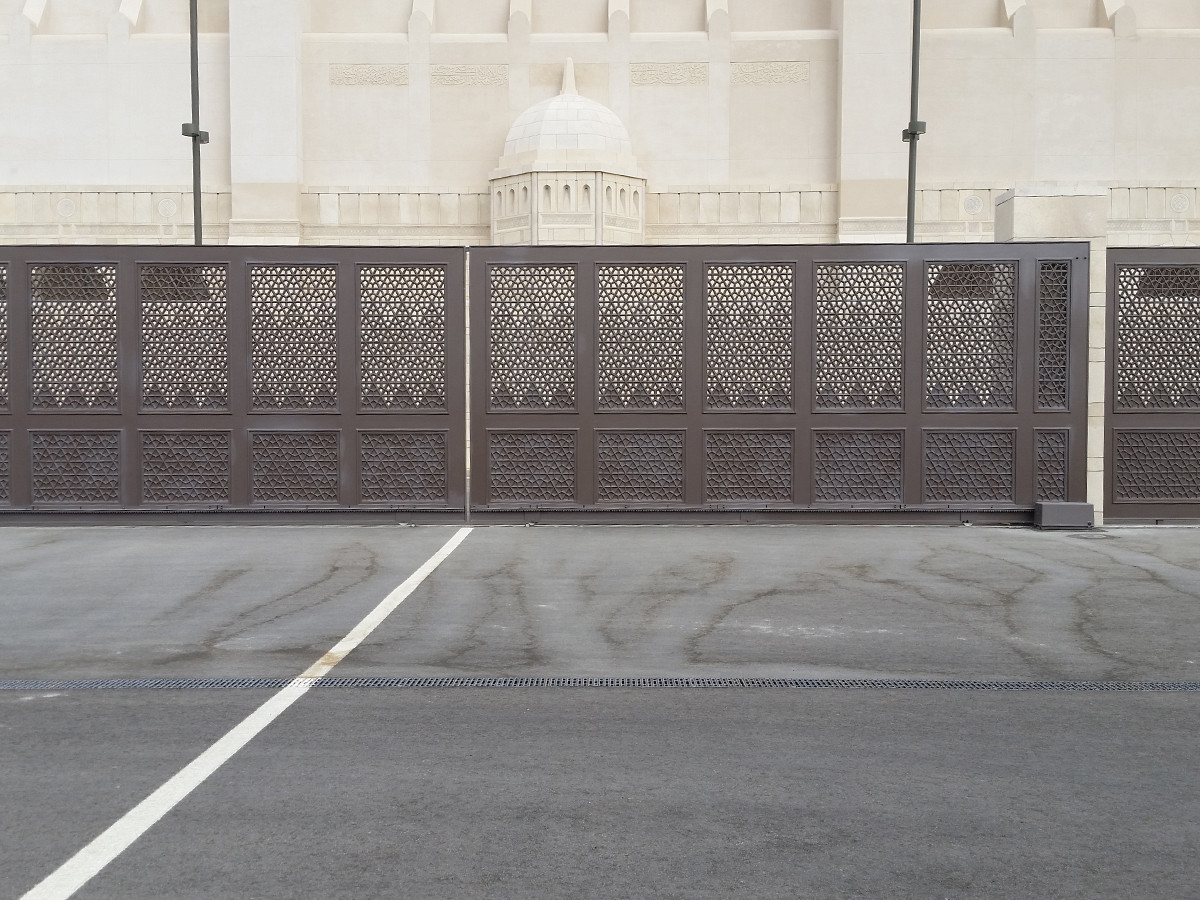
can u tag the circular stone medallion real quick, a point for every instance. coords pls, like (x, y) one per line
(167, 207)
(973, 205)
(1180, 203)
(66, 207)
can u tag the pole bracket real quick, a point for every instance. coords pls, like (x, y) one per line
(913, 132)
(190, 130)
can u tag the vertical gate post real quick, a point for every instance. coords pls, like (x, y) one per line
(913, 400)
(20, 466)
(128, 395)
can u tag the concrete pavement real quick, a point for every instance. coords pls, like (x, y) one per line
(784, 601)
(756, 793)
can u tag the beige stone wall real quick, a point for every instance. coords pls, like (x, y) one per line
(753, 120)
(87, 215)
(393, 217)
(767, 215)
(92, 102)
(1158, 216)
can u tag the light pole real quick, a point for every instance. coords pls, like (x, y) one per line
(192, 129)
(915, 128)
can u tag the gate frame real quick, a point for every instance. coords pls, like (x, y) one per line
(239, 419)
(1129, 512)
(805, 418)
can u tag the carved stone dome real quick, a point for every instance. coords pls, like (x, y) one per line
(568, 133)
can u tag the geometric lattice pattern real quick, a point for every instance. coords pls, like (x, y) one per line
(532, 466)
(859, 336)
(858, 466)
(403, 466)
(5, 453)
(1158, 466)
(1050, 461)
(969, 466)
(76, 466)
(3, 337)
(748, 465)
(294, 467)
(1053, 334)
(185, 355)
(159, 378)
(748, 336)
(293, 337)
(74, 337)
(1157, 363)
(403, 337)
(639, 341)
(532, 328)
(185, 467)
(639, 466)
(970, 321)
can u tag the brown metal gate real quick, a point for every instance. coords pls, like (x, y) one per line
(749, 382)
(1152, 438)
(156, 378)
(945, 381)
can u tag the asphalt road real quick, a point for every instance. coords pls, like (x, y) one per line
(657, 792)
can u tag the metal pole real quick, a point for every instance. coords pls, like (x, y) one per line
(916, 128)
(192, 129)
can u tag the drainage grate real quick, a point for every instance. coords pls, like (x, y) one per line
(178, 684)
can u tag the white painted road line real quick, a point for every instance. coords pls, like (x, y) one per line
(83, 866)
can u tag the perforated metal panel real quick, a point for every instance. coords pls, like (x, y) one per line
(1152, 442)
(748, 329)
(293, 337)
(5, 450)
(257, 379)
(970, 466)
(73, 341)
(185, 345)
(970, 335)
(531, 329)
(403, 466)
(639, 337)
(1052, 461)
(860, 466)
(184, 468)
(753, 466)
(1053, 336)
(639, 466)
(778, 379)
(859, 336)
(403, 340)
(76, 467)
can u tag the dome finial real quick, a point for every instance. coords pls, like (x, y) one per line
(568, 85)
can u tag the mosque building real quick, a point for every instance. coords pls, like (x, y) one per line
(469, 122)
